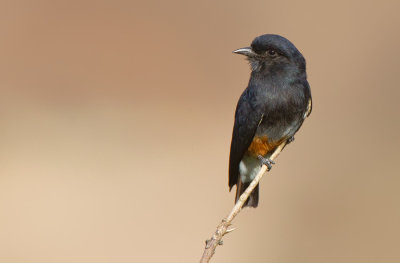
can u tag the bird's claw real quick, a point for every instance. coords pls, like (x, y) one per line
(268, 162)
(290, 140)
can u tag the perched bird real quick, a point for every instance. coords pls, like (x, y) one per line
(270, 110)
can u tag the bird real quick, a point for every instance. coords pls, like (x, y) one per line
(270, 110)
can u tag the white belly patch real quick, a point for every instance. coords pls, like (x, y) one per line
(248, 168)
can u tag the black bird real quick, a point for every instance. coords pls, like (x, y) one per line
(270, 110)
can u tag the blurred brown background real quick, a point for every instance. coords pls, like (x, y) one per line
(116, 120)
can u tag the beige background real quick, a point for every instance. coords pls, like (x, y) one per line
(116, 120)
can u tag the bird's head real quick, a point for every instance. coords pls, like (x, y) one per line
(273, 53)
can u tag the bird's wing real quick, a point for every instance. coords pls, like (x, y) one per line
(308, 94)
(246, 123)
(309, 108)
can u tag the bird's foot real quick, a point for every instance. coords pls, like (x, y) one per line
(290, 140)
(268, 162)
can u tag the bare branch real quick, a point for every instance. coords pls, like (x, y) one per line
(222, 228)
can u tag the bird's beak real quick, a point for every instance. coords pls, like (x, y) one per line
(247, 51)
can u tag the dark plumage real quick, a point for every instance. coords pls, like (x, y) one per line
(270, 110)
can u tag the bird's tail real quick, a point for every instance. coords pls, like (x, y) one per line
(252, 201)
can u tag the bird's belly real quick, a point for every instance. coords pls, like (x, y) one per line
(262, 145)
(268, 137)
(278, 131)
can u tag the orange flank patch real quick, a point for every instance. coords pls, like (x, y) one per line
(261, 146)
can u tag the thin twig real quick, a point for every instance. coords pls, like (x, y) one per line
(222, 228)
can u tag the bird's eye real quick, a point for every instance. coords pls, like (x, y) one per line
(271, 52)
